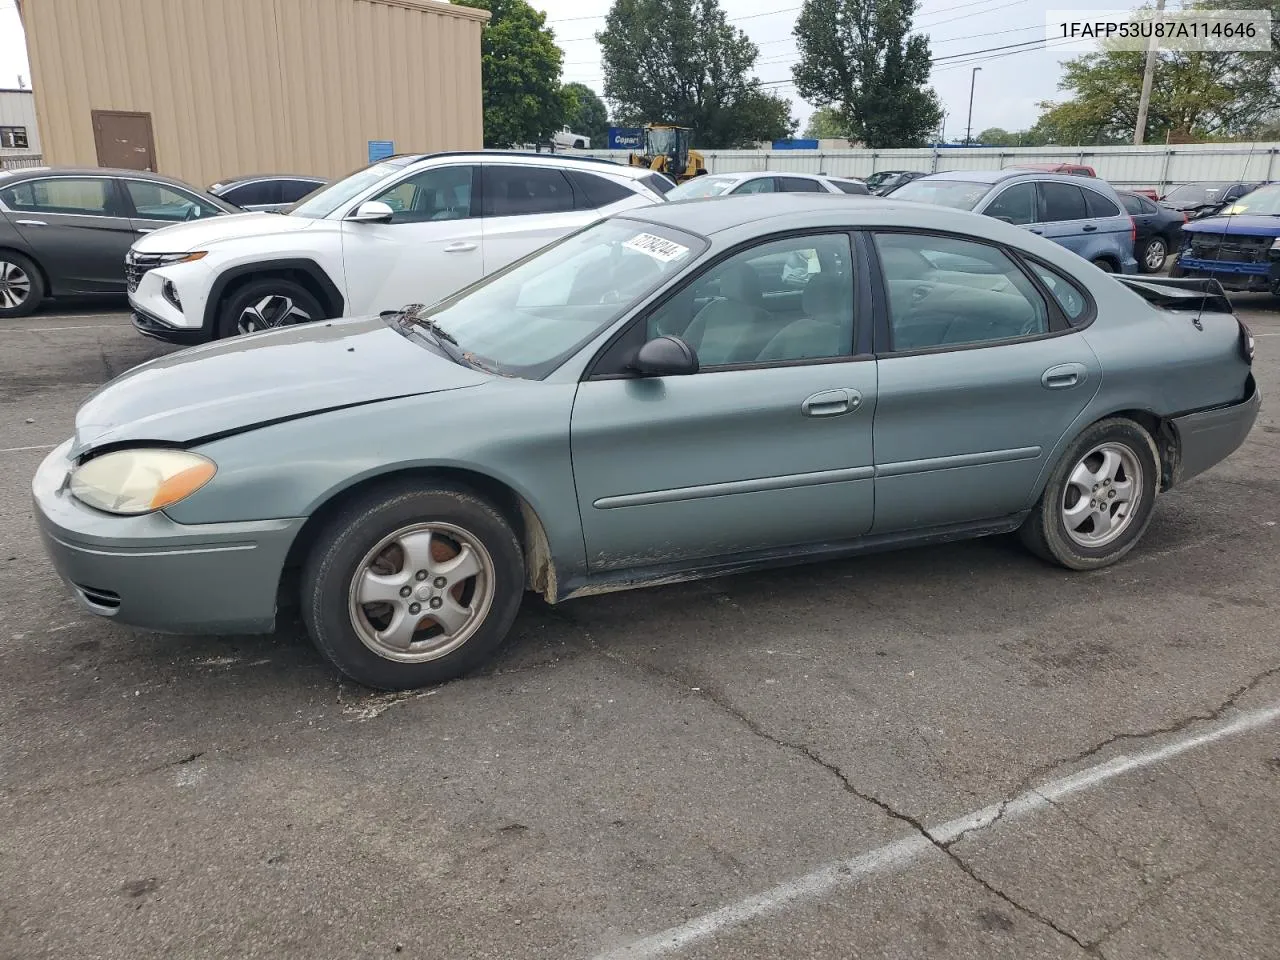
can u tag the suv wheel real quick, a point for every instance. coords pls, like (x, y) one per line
(265, 305)
(21, 286)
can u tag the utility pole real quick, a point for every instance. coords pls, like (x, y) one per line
(1144, 100)
(968, 130)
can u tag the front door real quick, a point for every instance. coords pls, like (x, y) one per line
(77, 229)
(975, 388)
(431, 248)
(767, 446)
(124, 139)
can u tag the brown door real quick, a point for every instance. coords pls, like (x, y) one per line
(124, 139)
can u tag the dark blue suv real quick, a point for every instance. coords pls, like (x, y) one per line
(1084, 215)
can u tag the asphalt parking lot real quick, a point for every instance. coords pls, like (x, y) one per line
(953, 752)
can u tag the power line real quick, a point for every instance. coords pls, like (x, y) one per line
(969, 53)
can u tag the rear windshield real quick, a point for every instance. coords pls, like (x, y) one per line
(702, 187)
(960, 194)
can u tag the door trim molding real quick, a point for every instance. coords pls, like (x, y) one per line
(759, 485)
(903, 468)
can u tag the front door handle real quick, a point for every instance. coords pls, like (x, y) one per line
(832, 403)
(31, 223)
(145, 229)
(1064, 376)
(462, 246)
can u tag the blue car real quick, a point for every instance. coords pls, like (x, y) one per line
(1085, 216)
(1240, 249)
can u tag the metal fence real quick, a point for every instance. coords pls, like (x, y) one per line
(16, 161)
(1147, 166)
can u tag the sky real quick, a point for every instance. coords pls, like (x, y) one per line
(1006, 90)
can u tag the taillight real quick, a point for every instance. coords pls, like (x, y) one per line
(1246, 341)
(1185, 218)
(1133, 230)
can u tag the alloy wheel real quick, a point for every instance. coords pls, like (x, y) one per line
(1102, 495)
(421, 592)
(15, 285)
(270, 312)
(1155, 255)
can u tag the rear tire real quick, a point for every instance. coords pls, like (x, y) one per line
(267, 304)
(407, 586)
(1065, 528)
(21, 285)
(1105, 265)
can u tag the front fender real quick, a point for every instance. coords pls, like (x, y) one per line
(514, 432)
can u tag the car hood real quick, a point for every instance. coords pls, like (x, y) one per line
(234, 385)
(198, 234)
(1241, 224)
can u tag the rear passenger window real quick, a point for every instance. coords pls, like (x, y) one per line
(291, 191)
(1132, 203)
(1070, 297)
(1099, 206)
(946, 292)
(256, 192)
(799, 185)
(849, 187)
(520, 191)
(595, 192)
(658, 183)
(1063, 201)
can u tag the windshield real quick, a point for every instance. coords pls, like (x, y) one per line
(960, 194)
(665, 141)
(323, 202)
(1196, 192)
(529, 318)
(1263, 202)
(702, 187)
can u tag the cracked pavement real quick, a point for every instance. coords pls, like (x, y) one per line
(637, 762)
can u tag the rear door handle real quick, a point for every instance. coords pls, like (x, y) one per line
(832, 403)
(1064, 376)
(31, 223)
(462, 246)
(1089, 228)
(1039, 231)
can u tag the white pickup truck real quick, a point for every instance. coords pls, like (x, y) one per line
(567, 139)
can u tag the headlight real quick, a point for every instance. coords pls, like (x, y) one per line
(1275, 244)
(169, 259)
(140, 481)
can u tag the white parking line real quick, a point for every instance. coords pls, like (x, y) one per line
(87, 326)
(43, 446)
(827, 878)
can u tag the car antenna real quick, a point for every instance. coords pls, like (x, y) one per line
(1222, 237)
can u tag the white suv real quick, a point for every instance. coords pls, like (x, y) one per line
(410, 229)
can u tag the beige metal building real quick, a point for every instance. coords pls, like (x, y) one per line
(208, 89)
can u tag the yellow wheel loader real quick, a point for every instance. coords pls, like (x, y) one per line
(666, 150)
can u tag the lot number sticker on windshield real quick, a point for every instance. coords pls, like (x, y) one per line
(656, 247)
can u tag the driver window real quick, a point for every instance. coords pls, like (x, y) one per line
(441, 193)
(781, 301)
(1017, 205)
(948, 292)
(155, 201)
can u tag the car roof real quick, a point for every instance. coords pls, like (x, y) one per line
(228, 181)
(1010, 173)
(534, 159)
(712, 215)
(22, 173)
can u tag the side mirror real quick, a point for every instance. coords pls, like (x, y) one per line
(372, 211)
(665, 356)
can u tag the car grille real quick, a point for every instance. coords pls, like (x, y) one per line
(137, 264)
(1233, 248)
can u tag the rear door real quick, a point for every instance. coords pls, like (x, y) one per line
(980, 376)
(1112, 228)
(526, 207)
(1065, 219)
(77, 229)
(431, 248)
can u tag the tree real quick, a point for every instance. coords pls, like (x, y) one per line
(520, 69)
(827, 123)
(680, 61)
(859, 56)
(1195, 94)
(585, 113)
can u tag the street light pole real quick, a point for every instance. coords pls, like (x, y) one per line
(968, 130)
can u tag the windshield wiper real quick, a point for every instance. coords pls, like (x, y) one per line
(410, 320)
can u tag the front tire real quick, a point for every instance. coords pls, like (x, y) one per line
(1153, 255)
(21, 285)
(267, 304)
(407, 586)
(1099, 499)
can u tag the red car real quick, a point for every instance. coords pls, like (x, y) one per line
(1074, 169)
